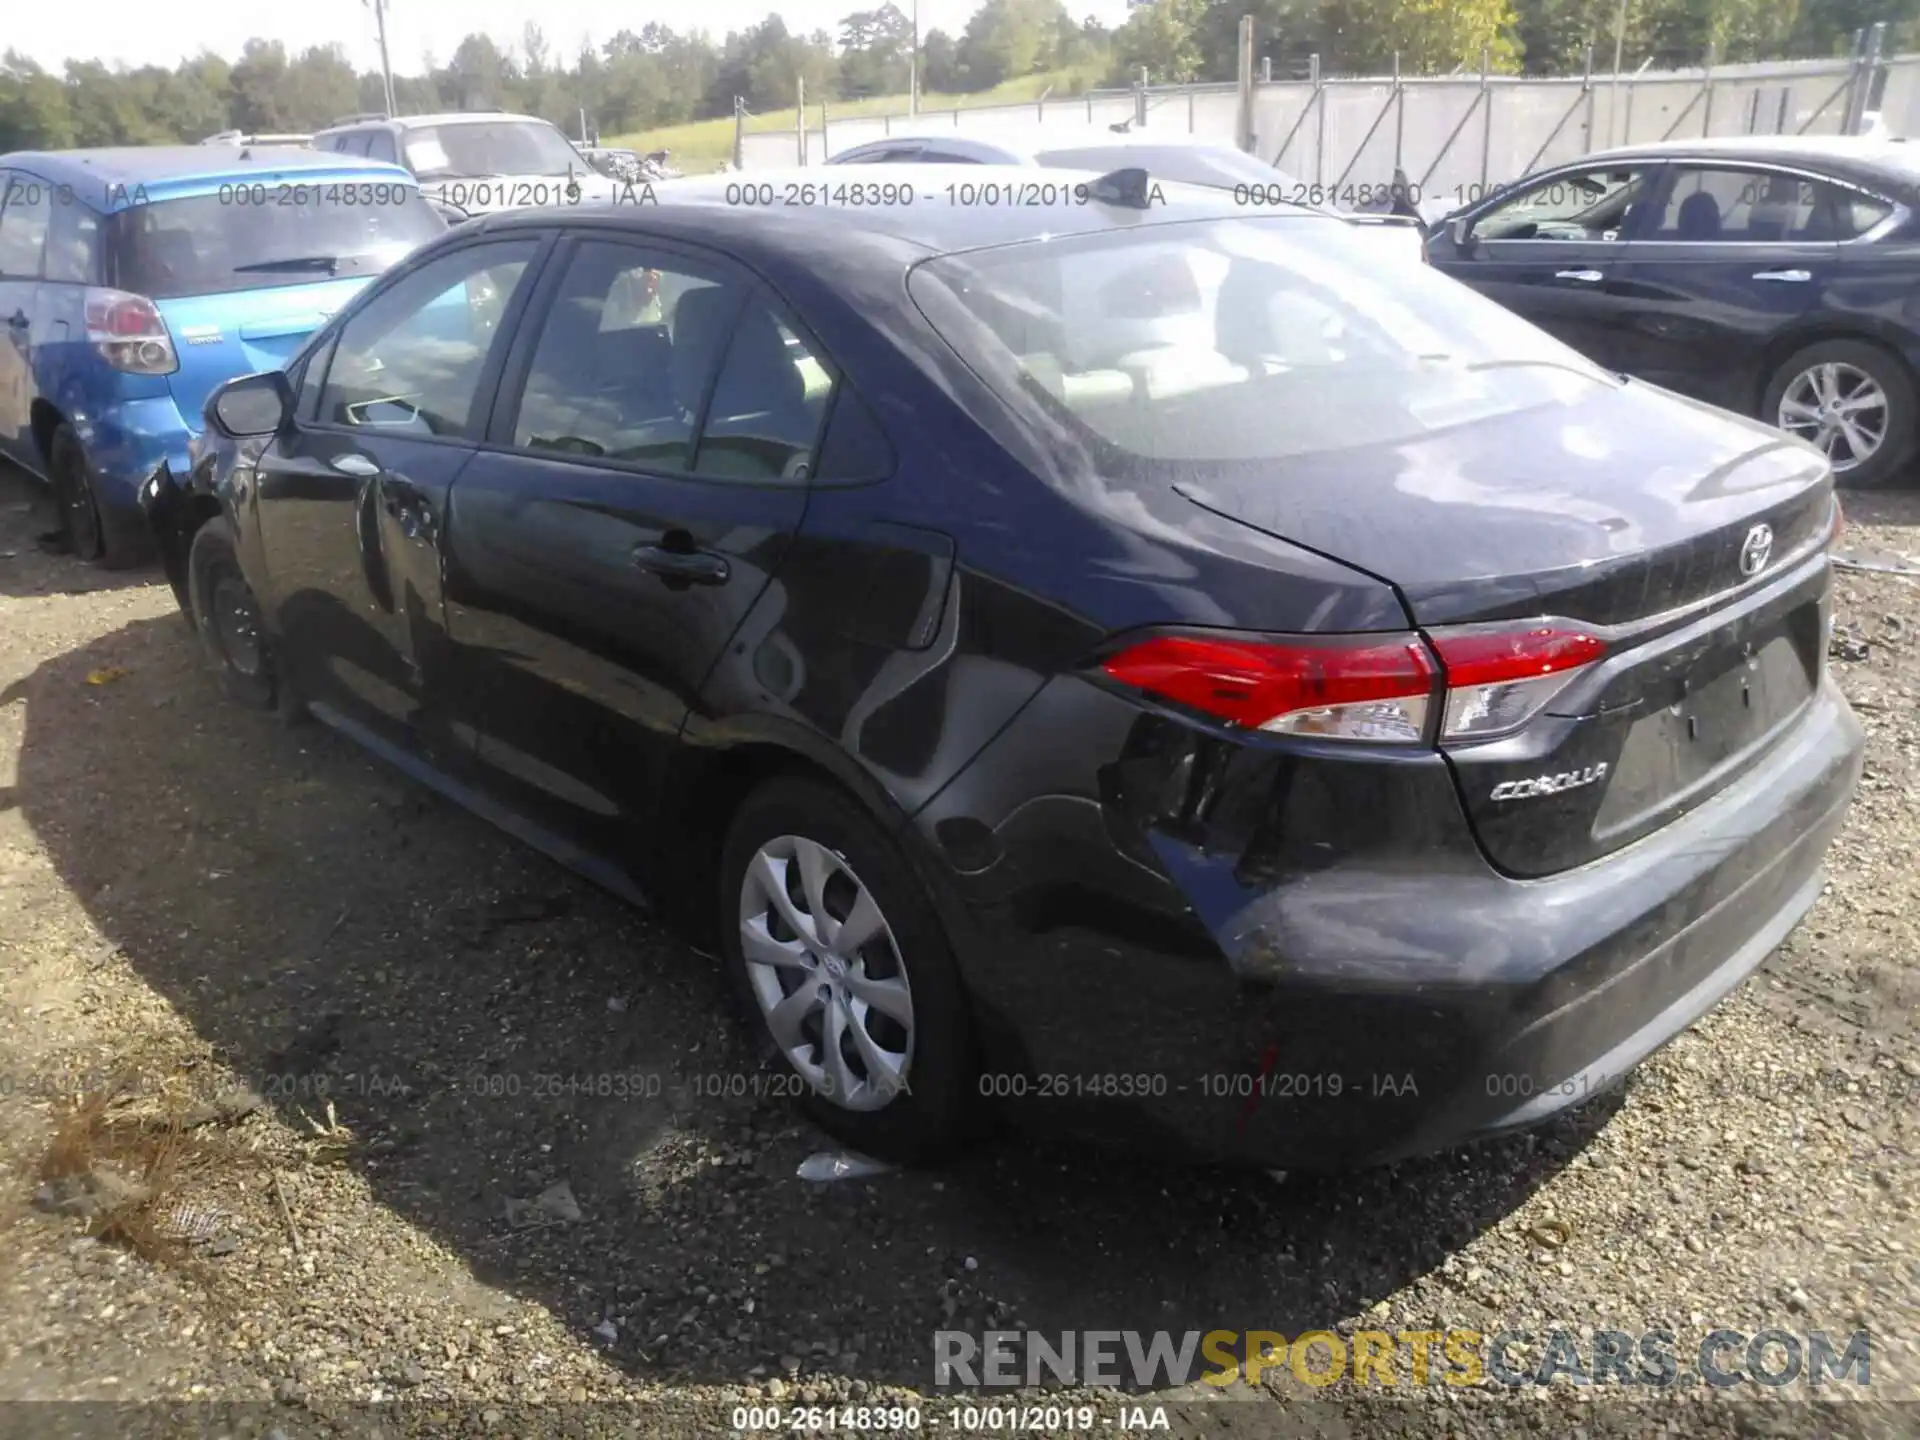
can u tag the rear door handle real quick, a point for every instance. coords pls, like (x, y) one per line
(689, 567)
(357, 465)
(1585, 277)
(1797, 277)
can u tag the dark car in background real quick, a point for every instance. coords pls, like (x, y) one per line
(1315, 729)
(133, 281)
(1777, 276)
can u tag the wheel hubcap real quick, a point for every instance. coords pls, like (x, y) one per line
(236, 623)
(1838, 407)
(826, 972)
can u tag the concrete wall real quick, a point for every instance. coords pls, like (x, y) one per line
(1452, 136)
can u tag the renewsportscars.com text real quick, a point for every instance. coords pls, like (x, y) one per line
(1718, 1358)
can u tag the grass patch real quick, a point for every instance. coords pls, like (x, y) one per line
(702, 145)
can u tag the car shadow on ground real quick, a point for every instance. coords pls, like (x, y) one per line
(488, 1025)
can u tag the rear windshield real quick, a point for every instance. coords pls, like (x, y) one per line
(1239, 339)
(254, 236)
(478, 148)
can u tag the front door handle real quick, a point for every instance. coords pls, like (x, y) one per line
(18, 320)
(688, 567)
(1585, 277)
(357, 465)
(1797, 277)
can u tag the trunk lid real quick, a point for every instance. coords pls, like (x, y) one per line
(220, 336)
(1630, 511)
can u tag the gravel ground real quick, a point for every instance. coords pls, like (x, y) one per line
(191, 893)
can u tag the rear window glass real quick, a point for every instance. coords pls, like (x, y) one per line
(1241, 339)
(251, 237)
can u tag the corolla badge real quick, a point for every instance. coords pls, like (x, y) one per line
(1756, 550)
(1549, 784)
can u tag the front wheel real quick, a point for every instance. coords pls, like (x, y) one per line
(227, 617)
(844, 970)
(1850, 399)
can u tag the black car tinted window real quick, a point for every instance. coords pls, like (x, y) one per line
(310, 380)
(411, 361)
(625, 357)
(768, 403)
(855, 448)
(1585, 205)
(1856, 213)
(26, 215)
(380, 146)
(246, 238)
(1706, 204)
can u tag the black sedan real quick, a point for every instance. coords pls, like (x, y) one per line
(1161, 678)
(1778, 276)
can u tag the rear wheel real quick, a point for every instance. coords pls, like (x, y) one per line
(73, 494)
(844, 970)
(227, 617)
(1850, 399)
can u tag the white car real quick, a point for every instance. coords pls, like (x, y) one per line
(476, 162)
(1166, 156)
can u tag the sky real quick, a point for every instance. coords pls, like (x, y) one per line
(140, 32)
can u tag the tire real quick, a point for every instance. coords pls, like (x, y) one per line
(926, 1114)
(1857, 367)
(227, 618)
(74, 495)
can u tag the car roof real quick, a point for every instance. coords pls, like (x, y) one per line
(1843, 154)
(467, 117)
(715, 207)
(100, 176)
(1025, 142)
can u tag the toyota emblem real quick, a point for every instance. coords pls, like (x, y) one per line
(1756, 550)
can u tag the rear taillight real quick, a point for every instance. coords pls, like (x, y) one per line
(1500, 678)
(1373, 688)
(127, 332)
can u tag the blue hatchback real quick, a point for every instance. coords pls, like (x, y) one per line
(133, 281)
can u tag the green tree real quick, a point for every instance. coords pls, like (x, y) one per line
(1169, 39)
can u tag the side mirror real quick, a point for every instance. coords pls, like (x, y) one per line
(1460, 234)
(252, 405)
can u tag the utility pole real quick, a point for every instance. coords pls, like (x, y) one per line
(1613, 98)
(386, 65)
(913, 65)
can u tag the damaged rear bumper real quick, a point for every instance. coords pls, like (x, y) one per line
(1384, 1004)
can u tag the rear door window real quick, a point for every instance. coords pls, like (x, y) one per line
(626, 356)
(73, 244)
(26, 216)
(1709, 205)
(769, 402)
